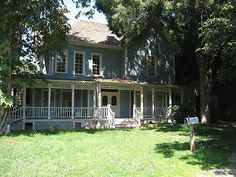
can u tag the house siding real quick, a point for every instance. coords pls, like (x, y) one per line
(157, 45)
(112, 63)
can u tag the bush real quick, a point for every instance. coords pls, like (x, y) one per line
(179, 112)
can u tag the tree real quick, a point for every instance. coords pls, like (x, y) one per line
(28, 30)
(193, 23)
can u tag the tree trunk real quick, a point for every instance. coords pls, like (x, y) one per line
(205, 83)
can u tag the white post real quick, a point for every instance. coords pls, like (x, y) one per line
(94, 97)
(99, 96)
(141, 99)
(24, 101)
(126, 62)
(153, 101)
(33, 100)
(170, 99)
(134, 97)
(182, 96)
(72, 101)
(49, 100)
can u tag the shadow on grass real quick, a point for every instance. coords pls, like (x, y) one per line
(214, 145)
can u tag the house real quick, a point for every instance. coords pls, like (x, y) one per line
(99, 84)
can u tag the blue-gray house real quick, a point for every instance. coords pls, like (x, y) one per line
(99, 84)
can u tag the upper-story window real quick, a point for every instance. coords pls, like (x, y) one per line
(61, 63)
(151, 66)
(79, 63)
(97, 63)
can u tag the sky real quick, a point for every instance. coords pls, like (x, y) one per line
(98, 17)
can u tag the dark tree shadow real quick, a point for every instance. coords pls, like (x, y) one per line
(214, 145)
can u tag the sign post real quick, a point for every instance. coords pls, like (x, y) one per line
(192, 121)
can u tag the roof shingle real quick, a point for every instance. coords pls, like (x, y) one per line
(93, 32)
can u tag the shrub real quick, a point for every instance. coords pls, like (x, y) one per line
(179, 112)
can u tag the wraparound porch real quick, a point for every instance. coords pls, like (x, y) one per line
(94, 100)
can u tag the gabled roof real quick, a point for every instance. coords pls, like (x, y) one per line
(93, 32)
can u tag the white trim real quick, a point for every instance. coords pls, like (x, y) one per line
(141, 99)
(130, 105)
(83, 53)
(72, 101)
(90, 44)
(66, 63)
(100, 67)
(153, 102)
(49, 100)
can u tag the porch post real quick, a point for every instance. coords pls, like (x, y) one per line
(182, 96)
(134, 97)
(94, 97)
(24, 101)
(141, 99)
(33, 100)
(153, 106)
(49, 100)
(99, 95)
(170, 99)
(72, 101)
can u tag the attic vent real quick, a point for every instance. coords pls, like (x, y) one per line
(28, 126)
(78, 125)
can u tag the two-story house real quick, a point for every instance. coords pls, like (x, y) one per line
(100, 84)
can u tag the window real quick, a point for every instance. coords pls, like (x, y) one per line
(104, 100)
(61, 63)
(96, 58)
(114, 101)
(79, 63)
(151, 66)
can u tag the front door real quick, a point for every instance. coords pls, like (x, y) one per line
(112, 98)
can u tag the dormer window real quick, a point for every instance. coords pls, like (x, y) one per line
(97, 63)
(61, 63)
(79, 63)
(151, 66)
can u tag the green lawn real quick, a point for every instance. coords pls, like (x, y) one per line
(162, 151)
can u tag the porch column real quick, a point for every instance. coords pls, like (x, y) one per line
(153, 101)
(33, 100)
(94, 97)
(24, 101)
(99, 95)
(134, 97)
(72, 101)
(49, 100)
(141, 100)
(182, 96)
(170, 99)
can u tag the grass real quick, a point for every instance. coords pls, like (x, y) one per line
(161, 151)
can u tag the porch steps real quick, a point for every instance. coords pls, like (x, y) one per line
(125, 123)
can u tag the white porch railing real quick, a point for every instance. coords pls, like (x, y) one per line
(147, 111)
(36, 112)
(137, 115)
(158, 112)
(84, 112)
(16, 113)
(111, 116)
(60, 112)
